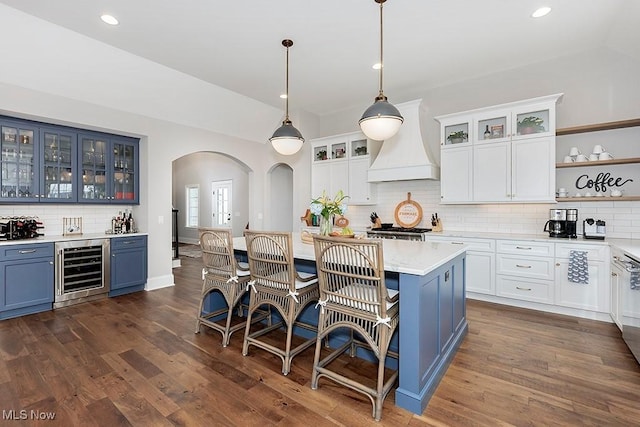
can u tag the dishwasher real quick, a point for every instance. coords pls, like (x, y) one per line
(82, 271)
(630, 301)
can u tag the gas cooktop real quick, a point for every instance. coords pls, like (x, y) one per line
(401, 230)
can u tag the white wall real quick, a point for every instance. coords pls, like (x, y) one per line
(67, 78)
(600, 85)
(62, 77)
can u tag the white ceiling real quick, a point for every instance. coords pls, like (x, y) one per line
(236, 44)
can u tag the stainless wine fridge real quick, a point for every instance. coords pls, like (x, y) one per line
(82, 271)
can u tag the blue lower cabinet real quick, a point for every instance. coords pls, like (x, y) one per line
(26, 279)
(128, 270)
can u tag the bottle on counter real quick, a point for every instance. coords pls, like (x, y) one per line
(487, 133)
(113, 225)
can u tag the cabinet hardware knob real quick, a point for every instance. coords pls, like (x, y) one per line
(557, 264)
(614, 274)
(50, 262)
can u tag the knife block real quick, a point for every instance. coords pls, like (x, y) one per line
(438, 226)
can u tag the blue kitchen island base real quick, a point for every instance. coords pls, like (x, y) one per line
(431, 280)
(433, 324)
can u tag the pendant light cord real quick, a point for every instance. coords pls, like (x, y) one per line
(286, 100)
(381, 94)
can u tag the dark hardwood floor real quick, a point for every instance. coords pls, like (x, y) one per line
(135, 360)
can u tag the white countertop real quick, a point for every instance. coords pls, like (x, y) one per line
(402, 256)
(629, 246)
(60, 238)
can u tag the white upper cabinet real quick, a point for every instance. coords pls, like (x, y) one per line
(341, 162)
(504, 153)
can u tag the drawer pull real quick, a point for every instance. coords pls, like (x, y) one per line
(523, 266)
(30, 251)
(522, 289)
(524, 248)
(128, 242)
(457, 243)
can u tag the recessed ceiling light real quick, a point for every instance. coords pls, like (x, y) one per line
(541, 12)
(377, 66)
(111, 20)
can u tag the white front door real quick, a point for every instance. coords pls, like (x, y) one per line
(221, 206)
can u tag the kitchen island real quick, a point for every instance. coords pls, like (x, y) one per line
(433, 323)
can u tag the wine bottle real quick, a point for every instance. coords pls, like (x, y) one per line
(487, 134)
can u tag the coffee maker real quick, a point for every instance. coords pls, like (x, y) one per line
(572, 223)
(557, 224)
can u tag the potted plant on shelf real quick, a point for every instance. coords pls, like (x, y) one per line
(361, 151)
(457, 137)
(321, 155)
(531, 124)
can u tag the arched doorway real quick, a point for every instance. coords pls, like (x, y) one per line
(281, 200)
(194, 173)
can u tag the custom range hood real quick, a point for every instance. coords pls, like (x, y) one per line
(404, 157)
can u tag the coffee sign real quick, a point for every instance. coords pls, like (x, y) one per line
(601, 182)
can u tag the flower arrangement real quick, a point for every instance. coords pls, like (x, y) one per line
(326, 208)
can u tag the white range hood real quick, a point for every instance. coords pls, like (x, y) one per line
(404, 156)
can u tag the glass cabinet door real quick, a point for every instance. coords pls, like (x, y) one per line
(58, 154)
(533, 121)
(493, 127)
(455, 133)
(93, 165)
(125, 175)
(18, 163)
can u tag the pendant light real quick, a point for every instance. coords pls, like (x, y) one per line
(287, 139)
(381, 120)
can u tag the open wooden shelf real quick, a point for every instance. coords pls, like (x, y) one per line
(598, 126)
(598, 199)
(629, 160)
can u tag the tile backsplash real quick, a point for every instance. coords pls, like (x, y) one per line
(95, 218)
(622, 217)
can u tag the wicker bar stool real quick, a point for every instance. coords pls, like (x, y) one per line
(224, 274)
(276, 282)
(353, 295)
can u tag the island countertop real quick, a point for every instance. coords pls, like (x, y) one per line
(401, 256)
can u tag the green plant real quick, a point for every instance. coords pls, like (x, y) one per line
(533, 122)
(457, 135)
(362, 150)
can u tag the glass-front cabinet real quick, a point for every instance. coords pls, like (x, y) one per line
(47, 163)
(58, 158)
(93, 158)
(109, 169)
(19, 162)
(456, 132)
(125, 175)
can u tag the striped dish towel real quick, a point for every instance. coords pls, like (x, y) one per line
(578, 267)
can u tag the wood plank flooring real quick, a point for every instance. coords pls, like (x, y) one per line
(135, 360)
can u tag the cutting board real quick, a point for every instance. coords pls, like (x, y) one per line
(408, 213)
